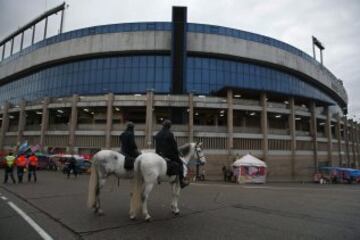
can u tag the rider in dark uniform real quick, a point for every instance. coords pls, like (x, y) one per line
(166, 147)
(128, 144)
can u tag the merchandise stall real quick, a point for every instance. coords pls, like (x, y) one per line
(249, 169)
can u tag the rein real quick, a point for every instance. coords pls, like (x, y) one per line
(195, 153)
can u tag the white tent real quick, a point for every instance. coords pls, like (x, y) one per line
(250, 169)
(249, 160)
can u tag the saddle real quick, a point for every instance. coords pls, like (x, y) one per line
(172, 167)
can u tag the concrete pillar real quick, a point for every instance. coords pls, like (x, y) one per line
(191, 117)
(44, 122)
(350, 142)
(216, 121)
(73, 123)
(243, 123)
(230, 122)
(338, 136)
(109, 120)
(347, 147)
(22, 122)
(264, 126)
(351, 156)
(329, 135)
(4, 124)
(352, 134)
(358, 144)
(313, 126)
(149, 118)
(292, 126)
(354, 141)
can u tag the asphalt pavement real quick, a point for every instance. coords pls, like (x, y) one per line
(209, 210)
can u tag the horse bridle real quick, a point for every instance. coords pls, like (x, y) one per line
(198, 154)
(198, 157)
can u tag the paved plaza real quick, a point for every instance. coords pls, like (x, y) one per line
(209, 210)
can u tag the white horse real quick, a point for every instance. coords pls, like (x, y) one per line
(150, 168)
(105, 163)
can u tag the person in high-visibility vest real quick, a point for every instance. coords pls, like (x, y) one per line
(33, 163)
(9, 167)
(21, 162)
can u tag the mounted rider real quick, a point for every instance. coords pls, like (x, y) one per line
(128, 146)
(166, 146)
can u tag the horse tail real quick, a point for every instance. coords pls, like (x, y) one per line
(137, 187)
(93, 185)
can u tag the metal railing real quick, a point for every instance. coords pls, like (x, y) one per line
(57, 140)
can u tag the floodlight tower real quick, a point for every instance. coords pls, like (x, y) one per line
(317, 43)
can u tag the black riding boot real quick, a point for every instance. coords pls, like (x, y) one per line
(181, 177)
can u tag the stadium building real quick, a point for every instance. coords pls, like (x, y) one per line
(236, 91)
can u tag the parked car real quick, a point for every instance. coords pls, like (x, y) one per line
(61, 162)
(339, 175)
(43, 162)
(83, 165)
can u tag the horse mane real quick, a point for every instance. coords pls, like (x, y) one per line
(185, 149)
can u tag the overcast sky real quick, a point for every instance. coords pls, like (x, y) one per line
(334, 22)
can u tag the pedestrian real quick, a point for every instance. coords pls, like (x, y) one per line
(166, 146)
(9, 167)
(223, 169)
(128, 146)
(229, 175)
(21, 162)
(33, 163)
(72, 166)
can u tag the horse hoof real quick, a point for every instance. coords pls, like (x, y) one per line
(176, 213)
(148, 219)
(132, 218)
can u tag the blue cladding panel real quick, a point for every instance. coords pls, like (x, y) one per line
(131, 74)
(136, 74)
(206, 76)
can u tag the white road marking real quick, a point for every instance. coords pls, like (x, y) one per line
(32, 223)
(3, 198)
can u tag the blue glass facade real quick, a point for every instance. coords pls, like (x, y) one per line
(207, 75)
(129, 74)
(136, 74)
